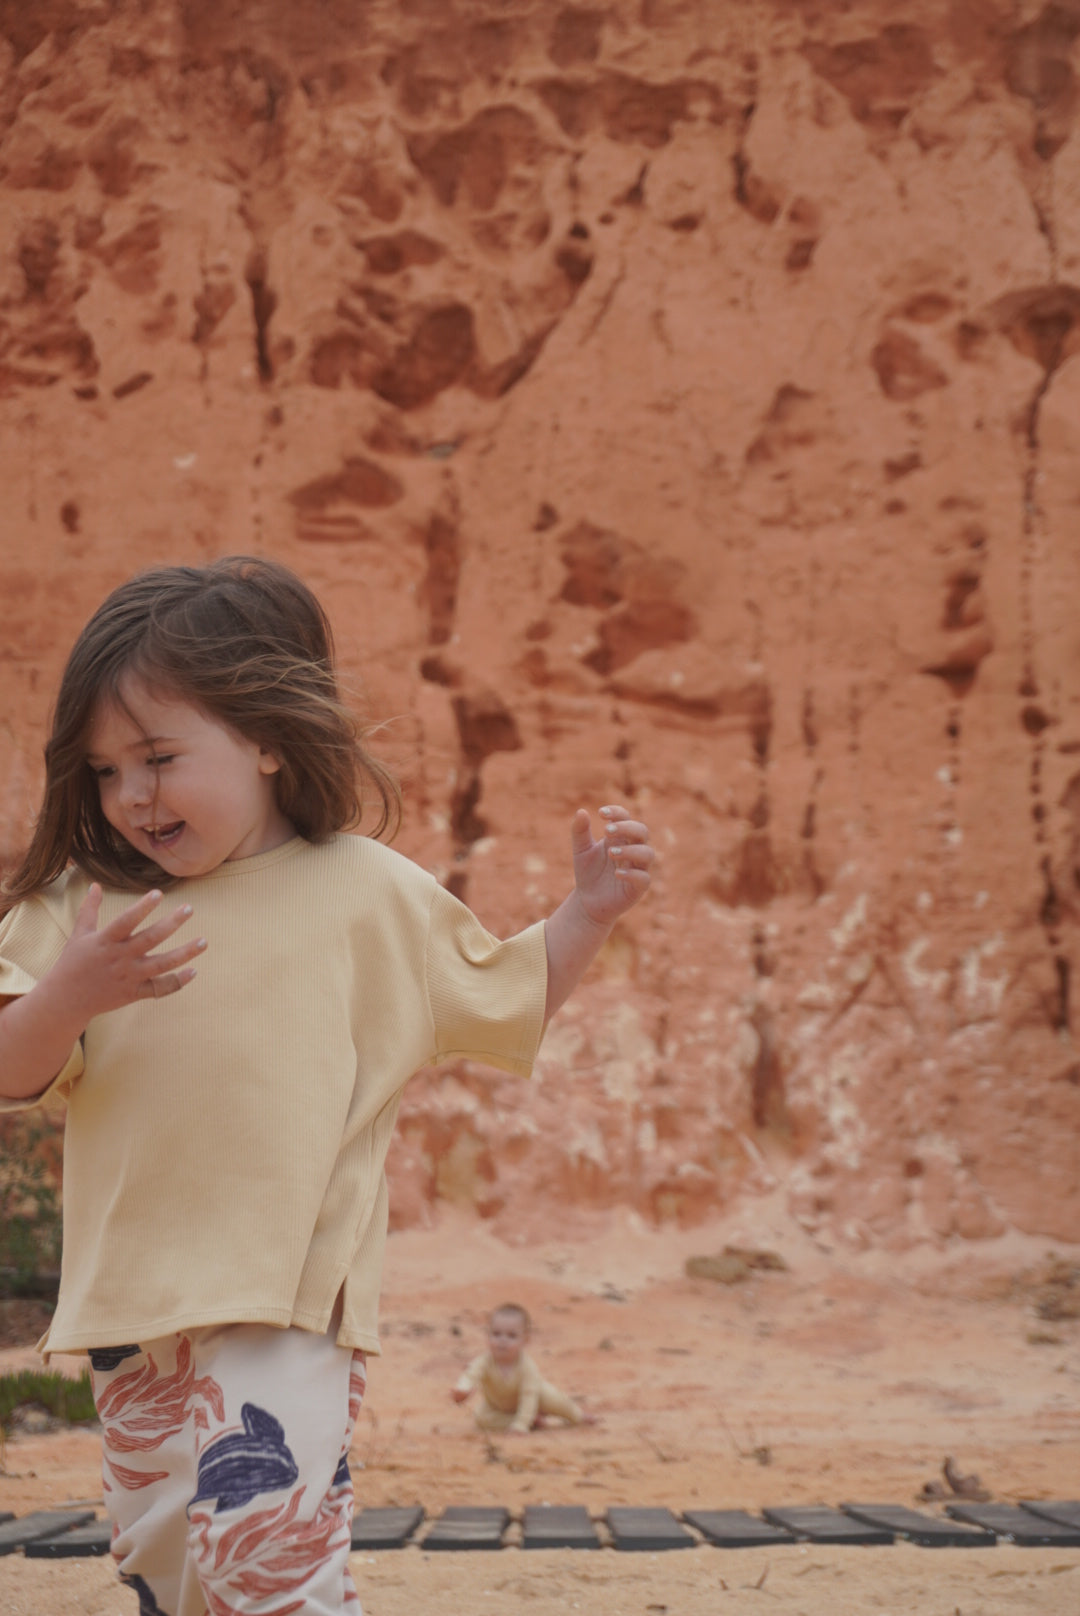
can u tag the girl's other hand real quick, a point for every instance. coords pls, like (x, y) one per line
(614, 873)
(107, 969)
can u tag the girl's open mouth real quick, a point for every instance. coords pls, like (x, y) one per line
(166, 835)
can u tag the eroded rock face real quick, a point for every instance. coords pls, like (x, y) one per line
(674, 403)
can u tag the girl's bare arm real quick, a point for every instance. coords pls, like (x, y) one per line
(610, 876)
(97, 971)
(36, 1038)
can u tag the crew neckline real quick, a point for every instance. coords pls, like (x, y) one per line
(256, 861)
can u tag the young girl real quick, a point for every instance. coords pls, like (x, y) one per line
(224, 1197)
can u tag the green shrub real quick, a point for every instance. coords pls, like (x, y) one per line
(29, 1206)
(69, 1400)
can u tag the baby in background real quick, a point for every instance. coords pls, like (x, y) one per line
(513, 1394)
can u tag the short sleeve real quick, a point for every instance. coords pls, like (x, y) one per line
(30, 944)
(487, 997)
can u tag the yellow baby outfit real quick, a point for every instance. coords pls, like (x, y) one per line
(511, 1399)
(224, 1146)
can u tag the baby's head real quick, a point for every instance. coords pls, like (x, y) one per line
(245, 643)
(509, 1328)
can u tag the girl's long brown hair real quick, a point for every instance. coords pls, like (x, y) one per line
(245, 641)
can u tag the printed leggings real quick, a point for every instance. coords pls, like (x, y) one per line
(226, 1470)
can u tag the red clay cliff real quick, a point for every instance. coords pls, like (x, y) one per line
(676, 402)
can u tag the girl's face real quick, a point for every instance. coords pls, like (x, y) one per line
(178, 785)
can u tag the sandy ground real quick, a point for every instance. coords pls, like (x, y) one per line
(848, 1377)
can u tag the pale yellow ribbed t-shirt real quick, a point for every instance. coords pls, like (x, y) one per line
(224, 1146)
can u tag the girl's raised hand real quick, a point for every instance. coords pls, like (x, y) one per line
(106, 969)
(611, 874)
